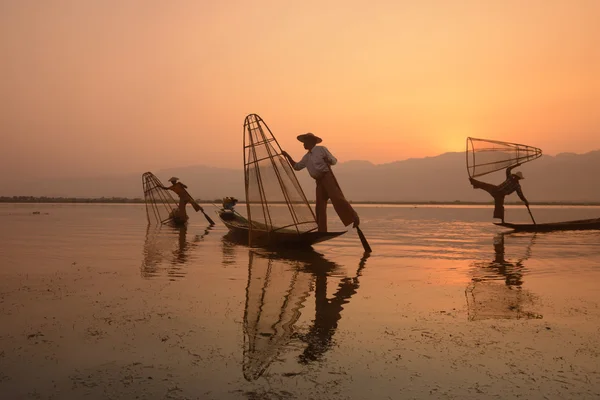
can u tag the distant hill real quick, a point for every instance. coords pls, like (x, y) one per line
(565, 177)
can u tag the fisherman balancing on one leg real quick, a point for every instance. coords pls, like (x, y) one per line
(180, 215)
(498, 192)
(317, 161)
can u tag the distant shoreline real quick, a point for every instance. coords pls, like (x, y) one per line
(124, 200)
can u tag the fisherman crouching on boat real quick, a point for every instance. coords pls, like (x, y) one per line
(499, 192)
(179, 215)
(317, 161)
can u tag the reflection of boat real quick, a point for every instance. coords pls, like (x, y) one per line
(274, 296)
(167, 248)
(239, 228)
(583, 224)
(487, 298)
(278, 285)
(277, 211)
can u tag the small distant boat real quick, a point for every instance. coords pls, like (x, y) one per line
(583, 224)
(239, 228)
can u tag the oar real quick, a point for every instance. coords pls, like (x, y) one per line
(530, 214)
(198, 208)
(361, 236)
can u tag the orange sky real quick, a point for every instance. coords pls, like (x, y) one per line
(103, 87)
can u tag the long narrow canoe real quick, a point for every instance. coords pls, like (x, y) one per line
(583, 224)
(239, 228)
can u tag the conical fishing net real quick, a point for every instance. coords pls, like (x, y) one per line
(275, 200)
(487, 156)
(160, 205)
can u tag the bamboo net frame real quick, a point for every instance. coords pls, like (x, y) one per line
(160, 204)
(264, 168)
(485, 156)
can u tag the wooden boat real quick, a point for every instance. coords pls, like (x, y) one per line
(583, 224)
(239, 228)
(277, 210)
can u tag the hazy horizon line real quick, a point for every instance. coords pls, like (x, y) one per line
(140, 200)
(241, 167)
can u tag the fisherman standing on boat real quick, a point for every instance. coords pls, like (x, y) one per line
(499, 192)
(180, 215)
(317, 161)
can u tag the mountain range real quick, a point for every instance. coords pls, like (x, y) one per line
(566, 177)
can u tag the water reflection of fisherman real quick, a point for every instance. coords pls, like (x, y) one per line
(499, 192)
(156, 247)
(511, 271)
(182, 254)
(274, 296)
(488, 300)
(327, 310)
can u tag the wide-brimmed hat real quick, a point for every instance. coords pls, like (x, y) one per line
(173, 179)
(305, 136)
(519, 175)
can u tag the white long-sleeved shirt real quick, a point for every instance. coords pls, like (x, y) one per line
(314, 161)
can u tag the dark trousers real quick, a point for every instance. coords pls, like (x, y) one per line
(495, 193)
(327, 188)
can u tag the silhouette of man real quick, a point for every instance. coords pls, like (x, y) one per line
(499, 192)
(317, 161)
(180, 215)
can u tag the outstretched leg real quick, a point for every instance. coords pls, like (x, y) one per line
(488, 187)
(493, 191)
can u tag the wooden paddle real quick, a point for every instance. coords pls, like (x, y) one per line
(361, 235)
(197, 206)
(530, 214)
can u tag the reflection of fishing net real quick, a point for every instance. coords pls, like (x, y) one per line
(275, 201)
(274, 296)
(161, 207)
(487, 156)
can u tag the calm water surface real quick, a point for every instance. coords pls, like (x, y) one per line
(95, 304)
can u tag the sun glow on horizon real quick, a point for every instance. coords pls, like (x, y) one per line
(96, 88)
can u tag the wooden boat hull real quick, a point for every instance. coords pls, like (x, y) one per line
(583, 224)
(239, 231)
